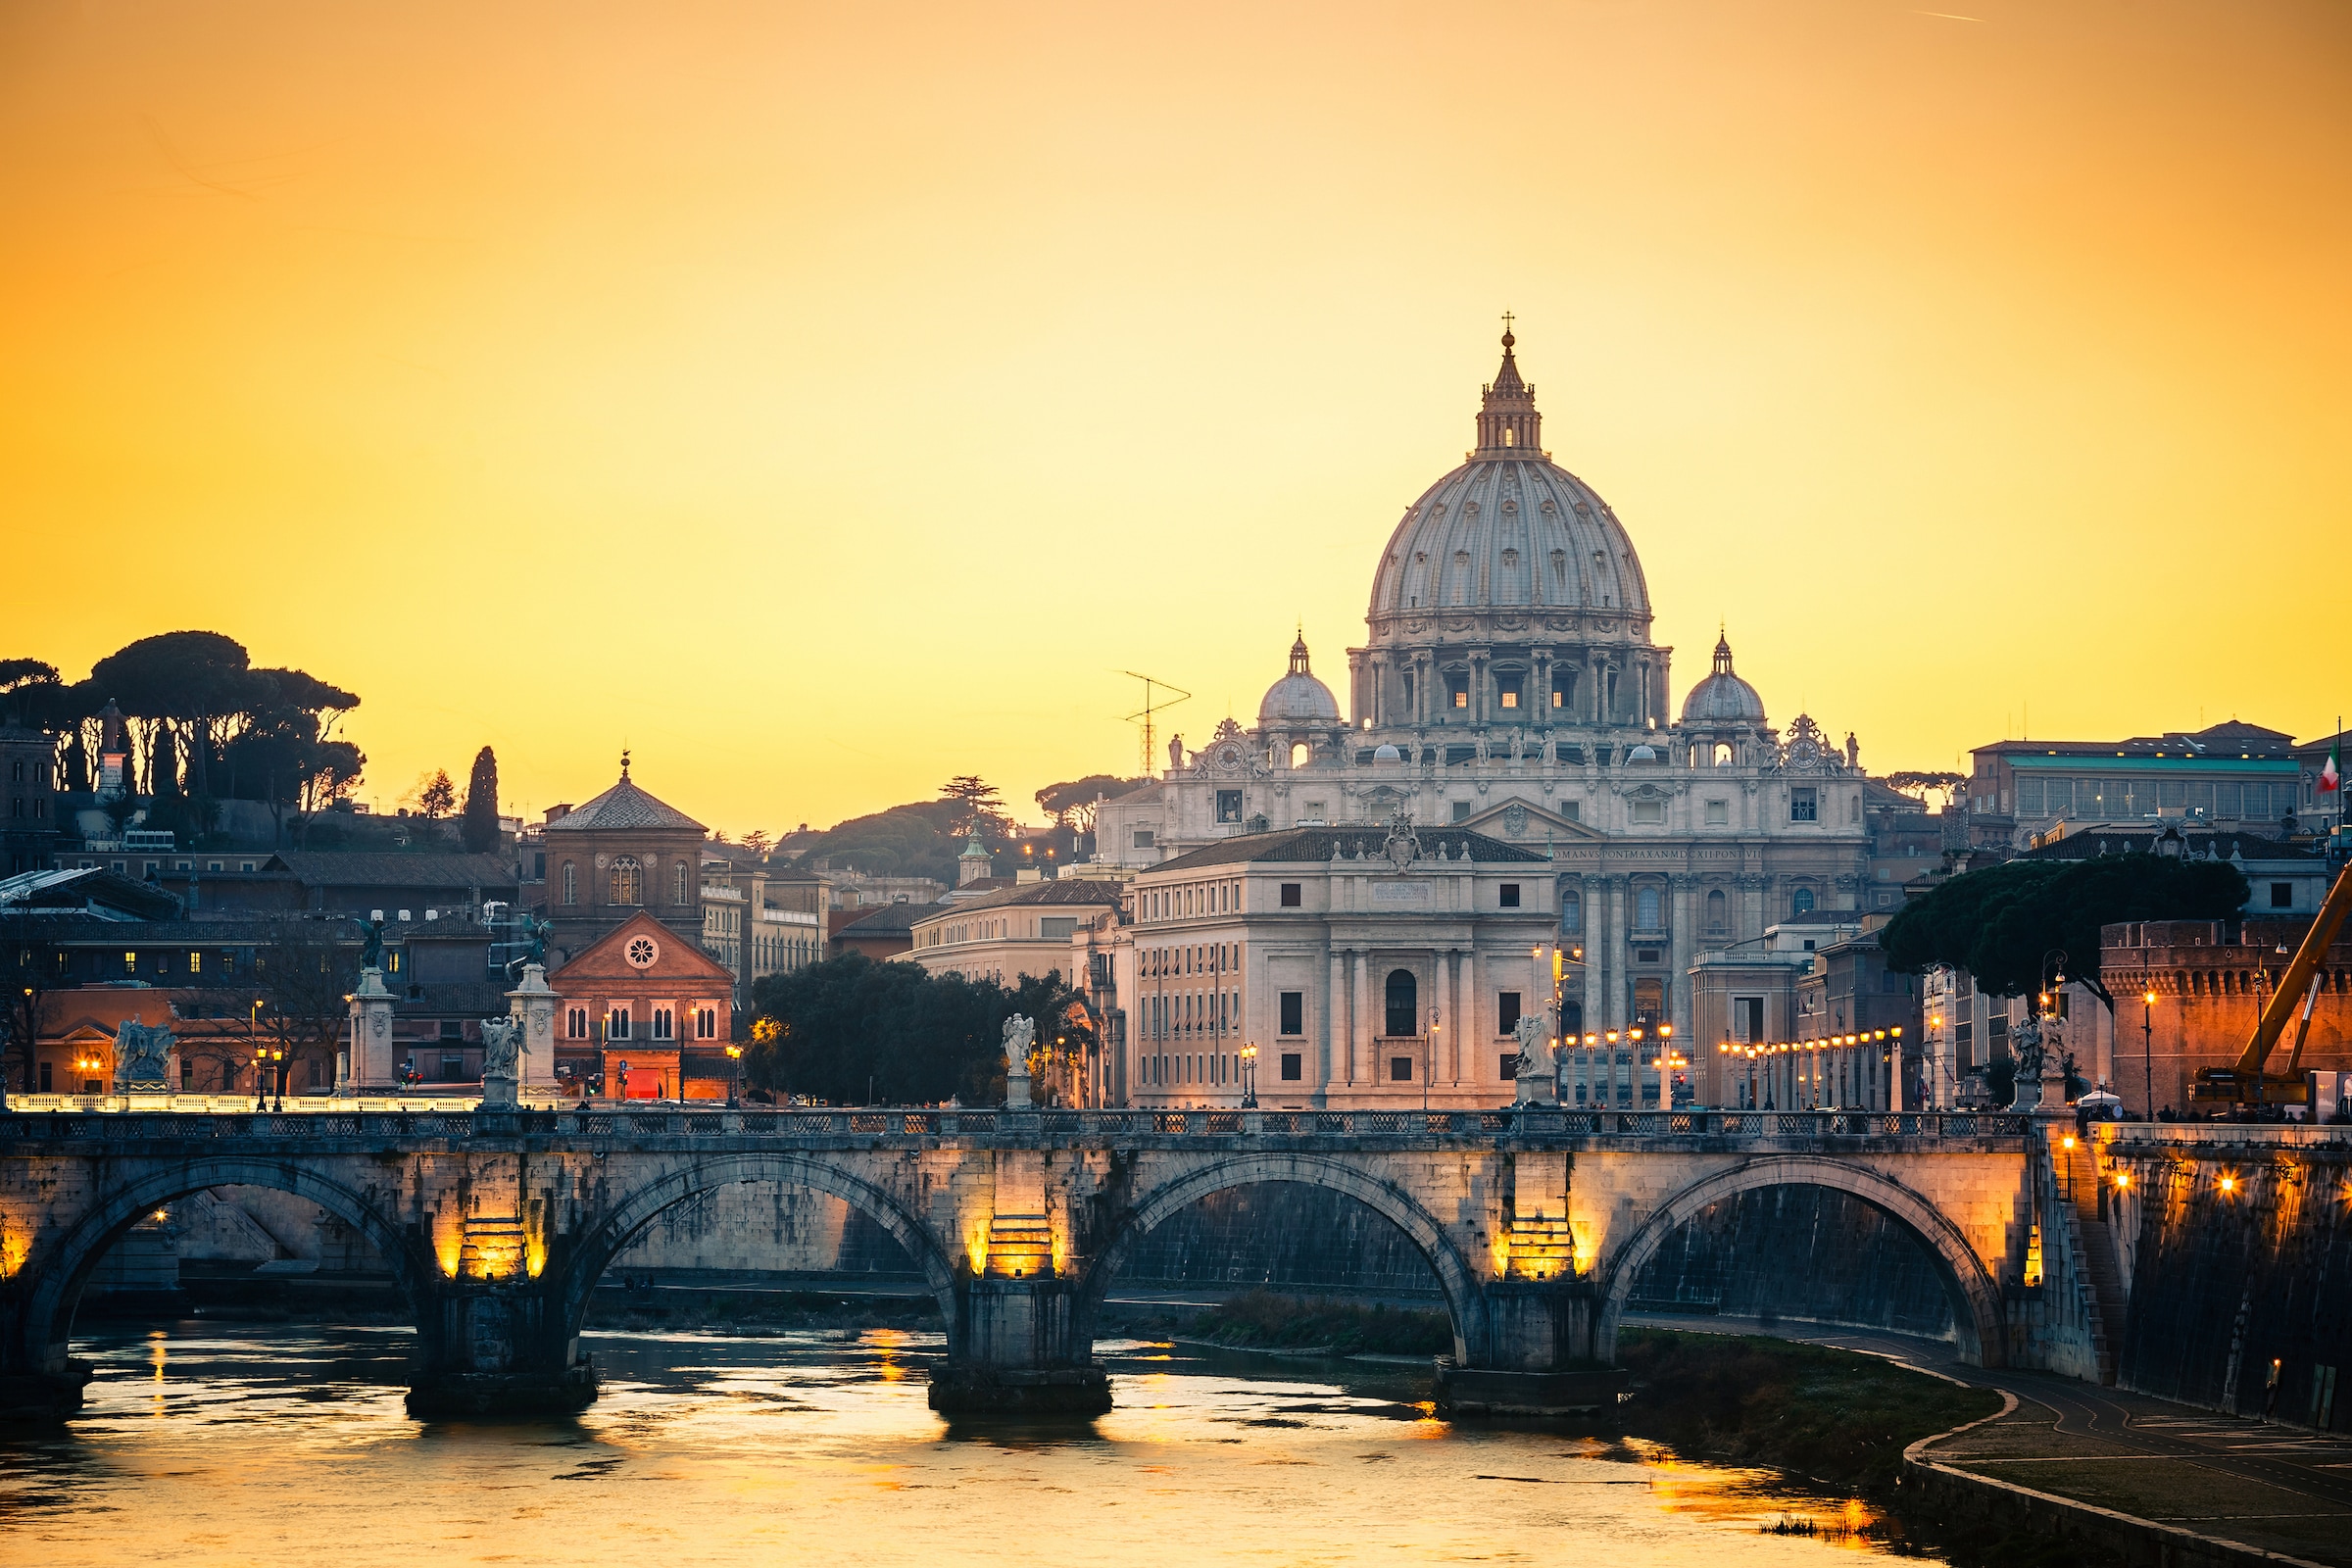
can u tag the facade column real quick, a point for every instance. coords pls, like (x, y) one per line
(1335, 1007)
(1681, 1007)
(1447, 1024)
(1469, 1040)
(1360, 1023)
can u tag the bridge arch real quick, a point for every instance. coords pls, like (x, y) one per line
(611, 1236)
(1391, 1201)
(61, 1267)
(1976, 1297)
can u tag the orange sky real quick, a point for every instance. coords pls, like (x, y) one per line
(827, 400)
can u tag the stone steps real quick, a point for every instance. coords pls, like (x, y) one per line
(2100, 1267)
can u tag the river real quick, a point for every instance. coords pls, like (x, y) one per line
(206, 1442)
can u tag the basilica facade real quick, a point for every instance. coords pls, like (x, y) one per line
(1509, 690)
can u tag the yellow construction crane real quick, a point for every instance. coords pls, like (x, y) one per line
(2247, 1083)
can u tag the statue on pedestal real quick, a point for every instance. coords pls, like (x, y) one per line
(142, 1057)
(498, 1062)
(1535, 1062)
(1019, 1034)
(371, 945)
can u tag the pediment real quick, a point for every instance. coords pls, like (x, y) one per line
(1535, 824)
(676, 956)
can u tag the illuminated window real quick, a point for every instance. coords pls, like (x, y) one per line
(627, 881)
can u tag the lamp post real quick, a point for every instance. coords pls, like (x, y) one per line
(2148, 1048)
(1250, 1077)
(264, 1062)
(1666, 1056)
(735, 1077)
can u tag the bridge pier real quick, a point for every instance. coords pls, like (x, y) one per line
(1530, 1353)
(496, 1348)
(1016, 1350)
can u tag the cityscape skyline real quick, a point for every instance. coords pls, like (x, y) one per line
(1933, 357)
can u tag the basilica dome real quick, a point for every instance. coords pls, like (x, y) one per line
(1510, 532)
(1723, 698)
(1297, 698)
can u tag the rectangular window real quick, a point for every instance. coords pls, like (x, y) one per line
(1652, 811)
(1229, 805)
(1143, 838)
(1290, 894)
(1506, 1012)
(1510, 895)
(2282, 895)
(1719, 813)
(1575, 811)
(1056, 929)
(195, 962)
(1457, 691)
(1461, 811)
(1804, 805)
(1508, 691)
(1749, 1011)
(1509, 1067)
(45, 1078)
(1291, 1064)
(1294, 1013)
(1401, 1069)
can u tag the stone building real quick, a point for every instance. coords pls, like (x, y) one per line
(1017, 932)
(1509, 686)
(620, 853)
(644, 1013)
(2231, 774)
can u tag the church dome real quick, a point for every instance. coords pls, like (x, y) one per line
(1510, 531)
(1297, 698)
(1723, 698)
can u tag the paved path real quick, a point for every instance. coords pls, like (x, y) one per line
(2263, 1484)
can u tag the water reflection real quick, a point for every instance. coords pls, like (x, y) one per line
(207, 1444)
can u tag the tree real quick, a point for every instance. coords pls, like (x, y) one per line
(302, 978)
(480, 832)
(26, 971)
(436, 797)
(759, 842)
(1072, 805)
(916, 840)
(828, 1030)
(2000, 923)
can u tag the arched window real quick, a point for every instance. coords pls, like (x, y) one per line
(662, 1023)
(1572, 911)
(679, 896)
(575, 1024)
(1300, 752)
(627, 881)
(571, 883)
(1800, 902)
(1404, 1005)
(1645, 910)
(1723, 753)
(1717, 910)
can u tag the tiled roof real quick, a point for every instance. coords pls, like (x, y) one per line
(888, 917)
(365, 868)
(624, 806)
(1094, 892)
(1311, 844)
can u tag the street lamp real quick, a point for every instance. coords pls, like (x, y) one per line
(264, 1059)
(1250, 1077)
(1428, 1060)
(735, 1079)
(2148, 1048)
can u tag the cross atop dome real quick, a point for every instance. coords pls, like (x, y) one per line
(1508, 421)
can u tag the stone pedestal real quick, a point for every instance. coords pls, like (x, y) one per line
(1470, 1393)
(41, 1398)
(373, 1068)
(497, 1094)
(1532, 1353)
(532, 1005)
(1016, 1091)
(1014, 1353)
(490, 1347)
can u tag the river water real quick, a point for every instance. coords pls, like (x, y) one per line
(208, 1442)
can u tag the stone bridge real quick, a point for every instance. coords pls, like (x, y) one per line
(497, 1224)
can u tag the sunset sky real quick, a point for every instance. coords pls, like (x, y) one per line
(825, 400)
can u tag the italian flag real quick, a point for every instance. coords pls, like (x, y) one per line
(2331, 777)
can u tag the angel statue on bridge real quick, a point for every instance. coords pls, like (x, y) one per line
(1020, 1035)
(498, 1047)
(1535, 1062)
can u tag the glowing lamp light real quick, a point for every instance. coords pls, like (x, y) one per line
(2123, 1179)
(2229, 1184)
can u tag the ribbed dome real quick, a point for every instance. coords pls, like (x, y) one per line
(1509, 529)
(1723, 698)
(1299, 698)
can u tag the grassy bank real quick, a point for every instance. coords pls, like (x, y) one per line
(1831, 1416)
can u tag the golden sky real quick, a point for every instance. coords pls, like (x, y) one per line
(825, 400)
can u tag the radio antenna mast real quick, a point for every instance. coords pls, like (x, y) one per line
(1143, 716)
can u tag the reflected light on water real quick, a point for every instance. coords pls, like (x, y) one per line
(211, 1444)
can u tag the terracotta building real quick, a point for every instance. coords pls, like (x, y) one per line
(620, 853)
(646, 1014)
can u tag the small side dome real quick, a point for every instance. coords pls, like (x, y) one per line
(1641, 754)
(1723, 698)
(1385, 753)
(1297, 698)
